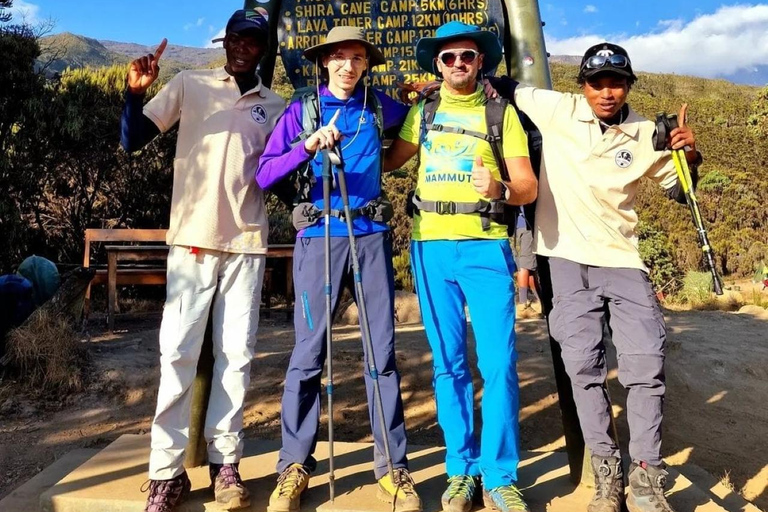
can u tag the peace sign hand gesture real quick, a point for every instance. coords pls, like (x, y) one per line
(144, 70)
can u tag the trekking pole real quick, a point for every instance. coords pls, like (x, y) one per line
(366, 331)
(664, 126)
(328, 315)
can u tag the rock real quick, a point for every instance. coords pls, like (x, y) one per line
(407, 308)
(755, 311)
(349, 315)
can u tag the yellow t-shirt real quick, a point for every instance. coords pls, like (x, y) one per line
(446, 161)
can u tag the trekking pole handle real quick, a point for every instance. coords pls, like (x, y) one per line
(672, 120)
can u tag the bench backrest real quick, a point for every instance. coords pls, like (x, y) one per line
(120, 235)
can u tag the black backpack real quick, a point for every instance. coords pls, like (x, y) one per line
(296, 186)
(494, 119)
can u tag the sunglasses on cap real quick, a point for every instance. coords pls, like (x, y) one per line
(448, 57)
(616, 61)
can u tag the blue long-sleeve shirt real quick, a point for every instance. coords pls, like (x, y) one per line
(361, 151)
(136, 129)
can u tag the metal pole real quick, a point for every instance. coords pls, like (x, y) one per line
(267, 66)
(527, 62)
(328, 316)
(526, 53)
(366, 331)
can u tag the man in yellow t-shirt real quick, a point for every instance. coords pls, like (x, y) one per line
(461, 255)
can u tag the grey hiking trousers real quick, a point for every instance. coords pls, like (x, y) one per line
(586, 298)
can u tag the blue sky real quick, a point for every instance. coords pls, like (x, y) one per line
(706, 37)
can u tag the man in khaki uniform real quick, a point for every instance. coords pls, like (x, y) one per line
(218, 238)
(595, 151)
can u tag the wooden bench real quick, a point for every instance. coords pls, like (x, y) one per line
(149, 263)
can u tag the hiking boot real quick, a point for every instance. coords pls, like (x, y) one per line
(461, 492)
(609, 484)
(228, 488)
(291, 484)
(166, 495)
(646, 488)
(401, 491)
(505, 498)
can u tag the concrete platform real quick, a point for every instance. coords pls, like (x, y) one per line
(111, 481)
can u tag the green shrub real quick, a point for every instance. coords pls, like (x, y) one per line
(697, 288)
(403, 276)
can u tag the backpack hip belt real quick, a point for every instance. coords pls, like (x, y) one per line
(488, 210)
(308, 214)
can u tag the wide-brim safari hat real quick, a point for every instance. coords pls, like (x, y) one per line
(345, 34)
(487, 42)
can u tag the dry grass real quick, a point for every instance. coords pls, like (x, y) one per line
(45, 353)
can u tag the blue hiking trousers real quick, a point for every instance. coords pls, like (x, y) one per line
(300, 414)
(479, 273)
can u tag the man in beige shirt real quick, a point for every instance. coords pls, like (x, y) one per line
(595, 151)
(218, 238)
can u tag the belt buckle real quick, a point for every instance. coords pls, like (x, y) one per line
(445, 207)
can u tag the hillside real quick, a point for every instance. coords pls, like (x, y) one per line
(187, 55)
(66, 50)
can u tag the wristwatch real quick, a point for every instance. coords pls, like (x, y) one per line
(503, 193)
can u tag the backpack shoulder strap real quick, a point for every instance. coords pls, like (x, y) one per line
(494, 121)
(428, 107)
(378, 109)
(310, 112)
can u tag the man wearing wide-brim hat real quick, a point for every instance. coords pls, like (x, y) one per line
(461, 257)
(351, 117)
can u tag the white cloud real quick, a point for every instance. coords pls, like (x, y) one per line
(198, 23)
(590, 9)
(208, 44)
(25, 12)
(731, 39)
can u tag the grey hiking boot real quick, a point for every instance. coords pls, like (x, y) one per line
(461, 492)
(291, 484)
(228, 488)
(400, 491)
(609, 484)
(505, 498)
(166, 495)
(646, 488)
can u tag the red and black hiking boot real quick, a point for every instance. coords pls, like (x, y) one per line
(228, 487)
(166, 495)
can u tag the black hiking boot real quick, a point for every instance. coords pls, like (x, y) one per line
(646, 488)
(609, 484)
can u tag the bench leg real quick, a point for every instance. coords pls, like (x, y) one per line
(111, 289)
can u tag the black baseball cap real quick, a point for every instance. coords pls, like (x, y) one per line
(606, 58)
(247, 20)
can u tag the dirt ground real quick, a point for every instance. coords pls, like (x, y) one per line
(716, 414)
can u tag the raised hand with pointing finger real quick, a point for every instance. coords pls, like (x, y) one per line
(145, 70)
(325, 137)
(483, 181)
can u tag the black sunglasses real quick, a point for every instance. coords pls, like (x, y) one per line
(599, 61)
(448, 57)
